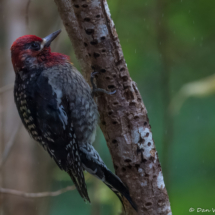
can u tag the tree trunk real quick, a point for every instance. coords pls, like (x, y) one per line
(123, 116)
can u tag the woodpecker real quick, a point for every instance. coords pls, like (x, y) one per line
(57, 108)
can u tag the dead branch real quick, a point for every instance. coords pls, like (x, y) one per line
(123, 116)
(36, 195)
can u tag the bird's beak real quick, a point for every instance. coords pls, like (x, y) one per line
(47, 40)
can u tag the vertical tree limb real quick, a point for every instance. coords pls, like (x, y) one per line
(123, 116)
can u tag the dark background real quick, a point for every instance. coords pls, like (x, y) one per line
(169, 49)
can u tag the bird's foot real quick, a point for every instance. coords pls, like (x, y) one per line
(98, 90)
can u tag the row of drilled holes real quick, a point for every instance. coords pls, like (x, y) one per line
(87, 19)
(94, 42)
(84, 5)
(96, 55)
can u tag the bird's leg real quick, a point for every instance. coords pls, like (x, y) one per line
(98, 90)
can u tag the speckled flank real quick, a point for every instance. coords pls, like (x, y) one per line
(25, 112)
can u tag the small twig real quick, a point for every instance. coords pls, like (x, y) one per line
(6, 88)
(36, 195)
(27, 13)
(9, 145)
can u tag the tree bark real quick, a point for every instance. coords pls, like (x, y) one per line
(123, 116)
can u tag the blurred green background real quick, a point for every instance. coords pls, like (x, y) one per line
(169, 49)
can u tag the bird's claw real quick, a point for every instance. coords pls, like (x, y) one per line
(93, 74)
(98, 90)
(111, 93)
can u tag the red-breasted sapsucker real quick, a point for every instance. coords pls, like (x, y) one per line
(56, 107)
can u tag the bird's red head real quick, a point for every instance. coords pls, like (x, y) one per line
(32, 51)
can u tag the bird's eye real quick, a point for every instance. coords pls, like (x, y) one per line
(35, 46)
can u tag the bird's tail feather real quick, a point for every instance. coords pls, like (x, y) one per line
(80, 187)
(75, 171)
(116, 185)
(92, 163)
